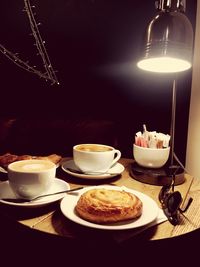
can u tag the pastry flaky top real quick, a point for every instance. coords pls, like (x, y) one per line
(108, 206)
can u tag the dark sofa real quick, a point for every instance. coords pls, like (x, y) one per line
(43, 136)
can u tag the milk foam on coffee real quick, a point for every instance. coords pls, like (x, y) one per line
(32, 166)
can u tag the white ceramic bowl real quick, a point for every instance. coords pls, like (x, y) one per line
(150, 157)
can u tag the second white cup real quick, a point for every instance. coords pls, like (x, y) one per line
(95, 157)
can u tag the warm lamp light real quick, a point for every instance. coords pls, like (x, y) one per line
(168, 40)
(164, 64)
(168, 46)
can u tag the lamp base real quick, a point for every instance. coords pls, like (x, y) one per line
(160, 176)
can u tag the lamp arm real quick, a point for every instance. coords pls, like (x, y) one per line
(173, 120)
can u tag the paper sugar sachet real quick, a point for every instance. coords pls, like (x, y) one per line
(151, 139)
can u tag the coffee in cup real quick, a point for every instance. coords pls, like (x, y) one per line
(30, 178)
(95, 157)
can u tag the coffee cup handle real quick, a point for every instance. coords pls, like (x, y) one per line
(118, 156)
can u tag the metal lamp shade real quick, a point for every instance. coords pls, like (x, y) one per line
(168, 43)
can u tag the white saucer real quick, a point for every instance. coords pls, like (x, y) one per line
(114, 171)
(58, 185)
(149, 213)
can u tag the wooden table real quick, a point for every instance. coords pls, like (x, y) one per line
(49, 219)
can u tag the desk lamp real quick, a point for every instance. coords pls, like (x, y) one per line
(168, 48)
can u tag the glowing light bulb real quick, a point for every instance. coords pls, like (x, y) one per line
(164, 64)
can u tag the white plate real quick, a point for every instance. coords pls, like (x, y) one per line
(114, 171)
(58, 185)
(149, 214)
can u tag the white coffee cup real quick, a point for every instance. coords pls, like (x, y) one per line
(95, 157)
(30, 178)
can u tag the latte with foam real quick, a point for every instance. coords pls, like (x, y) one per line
(30, 178)
(32, 165)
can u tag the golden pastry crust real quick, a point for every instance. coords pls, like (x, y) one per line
(53, 157)
(108, 206)
(6, 159)
(24, 157)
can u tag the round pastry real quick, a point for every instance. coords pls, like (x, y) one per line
(108, 206)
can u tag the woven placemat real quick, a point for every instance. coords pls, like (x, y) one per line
(191, 220)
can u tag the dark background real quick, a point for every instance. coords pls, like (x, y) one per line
(94, 46)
